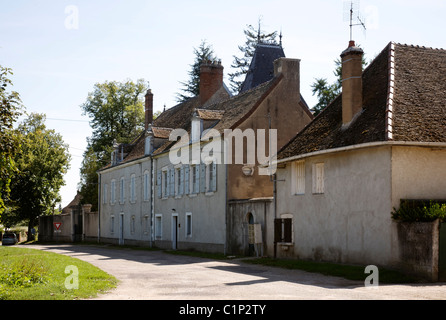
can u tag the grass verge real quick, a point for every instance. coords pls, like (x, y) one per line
(351, 272)
(29, 274)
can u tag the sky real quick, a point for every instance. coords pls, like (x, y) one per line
(58, 50)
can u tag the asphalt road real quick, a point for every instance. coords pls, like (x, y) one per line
(155, 275)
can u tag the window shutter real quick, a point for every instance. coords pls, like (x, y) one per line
(158, 183)
(197, 179)
(214, 177)
(172, 182)
(202, 177)
(186, 179)
(181, 172)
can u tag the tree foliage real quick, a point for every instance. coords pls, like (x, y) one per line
(116, 110)
(241, 64)
(191, 87)
(10, 110)
(41, 165)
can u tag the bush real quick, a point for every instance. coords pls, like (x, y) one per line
(411, 211)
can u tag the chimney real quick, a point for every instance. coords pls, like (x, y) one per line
(148, 109)
(351, 82)
(148, 143)
(211, 79)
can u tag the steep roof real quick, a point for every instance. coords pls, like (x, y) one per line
(404, 99)
(261, 68)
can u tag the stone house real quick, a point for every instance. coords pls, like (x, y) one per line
(148, 199)
(383, 139)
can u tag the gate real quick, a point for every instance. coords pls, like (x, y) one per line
(442, 253)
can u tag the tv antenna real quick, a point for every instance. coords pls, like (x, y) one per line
(351, 11)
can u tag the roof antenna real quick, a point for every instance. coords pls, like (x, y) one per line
(352, 8)
(280, 37)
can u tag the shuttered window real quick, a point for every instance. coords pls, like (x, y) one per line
(318, 178)
(298, 177)
(283, 230)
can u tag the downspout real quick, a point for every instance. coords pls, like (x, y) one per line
(152, 202)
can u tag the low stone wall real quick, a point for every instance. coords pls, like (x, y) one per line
(419, 248)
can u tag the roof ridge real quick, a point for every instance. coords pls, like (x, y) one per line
(416, 46)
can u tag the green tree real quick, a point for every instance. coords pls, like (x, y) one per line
(10, 110)
(326, 92)
(191, 88)
(116, 110)
(41, 164)
(241, 64)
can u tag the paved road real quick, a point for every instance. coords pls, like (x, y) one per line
(156, 275)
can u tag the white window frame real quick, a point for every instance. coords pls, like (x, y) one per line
(298, 177)
(211, 176)
(188, 225)
(318, 178)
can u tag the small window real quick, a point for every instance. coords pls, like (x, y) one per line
(113, 192)
(165, 183)
(283, 230)
(146, 224)
(121, 190)
(132, 188)
(188, 224)
(132, 225)
(158, 226)
(194, 174)
(298, 177)
(146, 185)
(104, 194)
(112, 224)
(318, 178)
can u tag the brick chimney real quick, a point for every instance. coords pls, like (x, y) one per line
(148, 109)
(351, 82)
(211, 79)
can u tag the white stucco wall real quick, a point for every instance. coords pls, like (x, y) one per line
(208, 214)
(350, 222)
(138, 209)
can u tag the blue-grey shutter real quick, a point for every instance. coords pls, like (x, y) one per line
(186, 179)
(159, 183)
(167, 183)
(213, 182)
(202, 177)
(197, 178)
(172, 182)
(181, 180)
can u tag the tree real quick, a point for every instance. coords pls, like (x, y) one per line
(203, 53)
(10, 110)
(116, 110)
(241, 64)
(41, 164)
(325, 92)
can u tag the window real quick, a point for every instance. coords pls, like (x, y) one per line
(132, 225)
(165, 183)
(211, 177)
(283, 230)
(179, 181)
(112, 224)
(104, 194)
(188, 224)
(298, 177)
(146, 185)
(158, 226)
(318, 178)
(146, 224)
(121, 191)
(132, 188)
(194, 174)
(113, 192)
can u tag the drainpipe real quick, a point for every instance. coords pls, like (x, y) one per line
(152, 202)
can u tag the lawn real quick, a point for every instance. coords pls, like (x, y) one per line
(30, 274)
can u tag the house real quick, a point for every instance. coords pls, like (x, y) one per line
(383, 139)
(149, 198)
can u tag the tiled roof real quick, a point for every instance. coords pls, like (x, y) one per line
(404, 99)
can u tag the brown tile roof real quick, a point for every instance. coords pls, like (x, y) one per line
(404, 99)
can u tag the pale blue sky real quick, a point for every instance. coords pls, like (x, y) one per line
(56, 65)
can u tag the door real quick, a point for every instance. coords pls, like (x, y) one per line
(174, 231)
